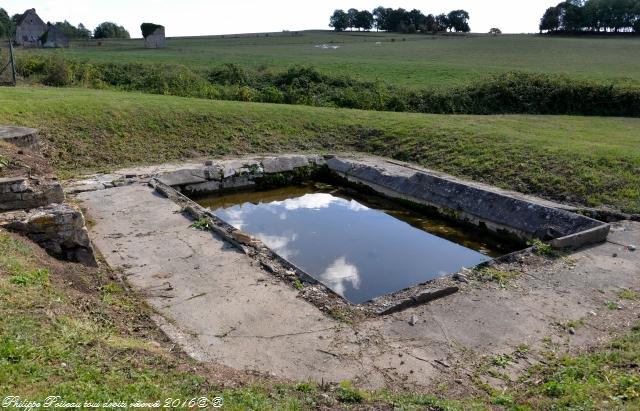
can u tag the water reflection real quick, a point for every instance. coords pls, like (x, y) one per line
(339, 274)
(357, 251)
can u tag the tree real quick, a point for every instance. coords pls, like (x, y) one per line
(7, 26)
(109, 30)
(380, 18)
(398, 20)
(442, 22)
(72, 31)
(364, 20)
(83, 32)
(591, 15)
(572, 15)
(339, 20)
(353, 16)
(416, 18)
(459, 21)
(148, 29)
(429, 25)
(495, 31)
(550, 21)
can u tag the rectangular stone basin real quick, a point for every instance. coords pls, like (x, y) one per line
(360, 246)
(384, 227)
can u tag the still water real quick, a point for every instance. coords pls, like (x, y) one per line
(360, 247)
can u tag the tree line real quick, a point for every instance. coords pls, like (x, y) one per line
(583, 16)
(104, 30)
(399, 20)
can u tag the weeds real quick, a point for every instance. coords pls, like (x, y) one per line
(298, 284)
(200, 224)
(347, 393)
(521, 351)
(628, 294)
(503, 278)
(542, 249)
(501, 360)
(37, 277)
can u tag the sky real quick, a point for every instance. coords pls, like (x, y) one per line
(202, 17)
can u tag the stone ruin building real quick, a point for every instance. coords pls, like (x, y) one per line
(153, 34)
(31, 31)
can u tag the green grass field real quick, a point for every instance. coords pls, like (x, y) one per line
(399, 59)
(585, 160)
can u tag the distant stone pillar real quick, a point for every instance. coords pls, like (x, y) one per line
(155, 40)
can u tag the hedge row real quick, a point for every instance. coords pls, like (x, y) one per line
(509, 93)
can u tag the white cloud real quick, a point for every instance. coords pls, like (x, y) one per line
(279, 244)
(308, 201)
(356, 206)
(233, 216)
(339, 274)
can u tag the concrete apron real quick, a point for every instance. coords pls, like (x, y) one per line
(221, 307)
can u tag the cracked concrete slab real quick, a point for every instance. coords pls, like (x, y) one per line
(239, 315)
(218, 304)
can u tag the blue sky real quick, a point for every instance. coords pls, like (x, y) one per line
(201, 17)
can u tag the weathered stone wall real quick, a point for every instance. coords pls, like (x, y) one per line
(58, 228)
(238, 174)
(156, 40)
(55, 38)
(490, 207)
(22, 193)
(34, 206)
(30, 29)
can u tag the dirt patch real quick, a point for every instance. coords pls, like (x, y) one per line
(17, 162)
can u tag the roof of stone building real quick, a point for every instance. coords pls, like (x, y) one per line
(27, 13)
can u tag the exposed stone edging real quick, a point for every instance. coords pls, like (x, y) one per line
(35, 207)
(22, 137)
(497, 210)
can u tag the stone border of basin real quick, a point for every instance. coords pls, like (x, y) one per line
(22, 137)
(499, 211)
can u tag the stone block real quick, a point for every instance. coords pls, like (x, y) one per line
(184, 177)
(13, 185)
(22, 137)
(496, 209)
(283, 163)
(58, 228)
(203, 188)
(23, 194)
(237, 182)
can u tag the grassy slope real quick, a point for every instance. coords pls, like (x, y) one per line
(421, 61)
(73, 331)
(592, 161)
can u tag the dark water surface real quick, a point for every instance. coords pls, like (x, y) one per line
(360, 248)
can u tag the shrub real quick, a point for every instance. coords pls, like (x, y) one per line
(58, 74)
(228, 74)
(508, 93)
(148, 29)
